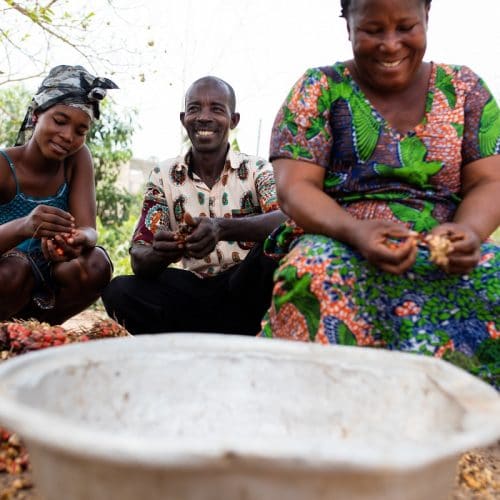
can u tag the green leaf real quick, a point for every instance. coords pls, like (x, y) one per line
(414, 170)
(444, 82)
(298, 151)
(346, 337)
(421, 220)
(317, 127)
(459, 128)
(298, 293)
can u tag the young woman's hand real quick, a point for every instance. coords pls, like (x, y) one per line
(54, 251)
(388, 245)
(64, 247)
(465, 247)
(46, 222)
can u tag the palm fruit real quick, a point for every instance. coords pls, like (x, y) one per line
(103, 328)
(19, 337)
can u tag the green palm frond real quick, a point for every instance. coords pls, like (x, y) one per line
(489, 129)
(366, 127)
(333, 179)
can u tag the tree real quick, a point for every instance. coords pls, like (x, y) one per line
(109, 141)
(30, 30)
(36, 35)
(13, 104)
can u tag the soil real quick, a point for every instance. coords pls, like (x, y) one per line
(478, 472)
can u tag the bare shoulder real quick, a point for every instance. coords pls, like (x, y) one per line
(79, 164)
(7, 180)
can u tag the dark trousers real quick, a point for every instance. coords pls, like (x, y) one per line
(233, 301)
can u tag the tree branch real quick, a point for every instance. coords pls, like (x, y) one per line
(44, 27)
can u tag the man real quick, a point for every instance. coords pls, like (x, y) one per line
(210, 211)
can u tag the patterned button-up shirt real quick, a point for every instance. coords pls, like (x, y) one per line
(245, 187)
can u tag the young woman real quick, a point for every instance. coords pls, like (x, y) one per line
(50, 267)
(377, 159)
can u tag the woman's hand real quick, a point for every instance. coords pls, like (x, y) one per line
(46, 222)
(466, 247)
(64, 247)
(55, 249)
(388, 245)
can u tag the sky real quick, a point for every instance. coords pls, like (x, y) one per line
(261, 47)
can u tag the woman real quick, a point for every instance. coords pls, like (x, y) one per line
(371, 156)
(50, 267)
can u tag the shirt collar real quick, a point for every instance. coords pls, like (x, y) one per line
(232, 161)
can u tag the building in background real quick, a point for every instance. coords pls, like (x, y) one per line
(134, 174)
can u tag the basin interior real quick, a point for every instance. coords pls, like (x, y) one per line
(240, 397)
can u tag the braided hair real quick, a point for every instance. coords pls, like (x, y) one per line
(345, 4)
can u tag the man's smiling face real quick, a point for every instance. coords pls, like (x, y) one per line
(208, 116)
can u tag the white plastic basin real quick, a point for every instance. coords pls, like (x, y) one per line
(212, 417)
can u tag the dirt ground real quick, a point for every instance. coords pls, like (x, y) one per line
(478, 478)
(478, 472)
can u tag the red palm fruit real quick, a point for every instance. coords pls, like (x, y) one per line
(23, 336)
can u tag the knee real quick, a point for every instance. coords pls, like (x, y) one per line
(115, 290)
(89, 272)
(14, 275)
(114, 293)
(98, 269)
(16, 282)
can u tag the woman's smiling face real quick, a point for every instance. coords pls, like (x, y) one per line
(388, 39)
(61, 131)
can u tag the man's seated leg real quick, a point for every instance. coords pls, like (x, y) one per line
(176, 300)
(250, 288)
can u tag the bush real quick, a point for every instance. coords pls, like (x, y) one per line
(116, 239)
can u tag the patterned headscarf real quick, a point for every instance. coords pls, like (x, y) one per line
(70, 85)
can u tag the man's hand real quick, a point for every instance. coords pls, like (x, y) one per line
(204, 235)
(168, 246)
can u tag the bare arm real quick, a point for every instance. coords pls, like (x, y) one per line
(253, 228)
(82, 207)
(480, 208)
(300, 194)
(477, 216)
(149, 260)
(208, 231)
(82, 197)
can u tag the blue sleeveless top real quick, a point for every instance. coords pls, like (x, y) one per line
(22, 204)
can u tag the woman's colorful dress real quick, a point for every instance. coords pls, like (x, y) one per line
(325, 291)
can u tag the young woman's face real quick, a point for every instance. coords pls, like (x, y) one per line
(388, 38)
(61, 131)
